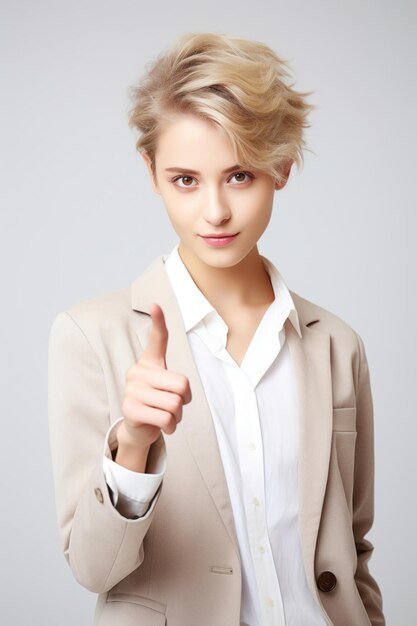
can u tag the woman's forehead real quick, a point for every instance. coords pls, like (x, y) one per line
(187, 137)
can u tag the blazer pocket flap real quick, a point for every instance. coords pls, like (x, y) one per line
(131, 610)
(344, 419)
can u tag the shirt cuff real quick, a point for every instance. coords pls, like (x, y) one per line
(132, 492)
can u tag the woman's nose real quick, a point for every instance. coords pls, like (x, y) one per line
(216, 209)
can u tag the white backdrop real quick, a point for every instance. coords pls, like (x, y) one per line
(79, 218)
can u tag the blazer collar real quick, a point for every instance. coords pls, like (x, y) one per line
(310, 355)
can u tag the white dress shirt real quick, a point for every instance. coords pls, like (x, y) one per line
(255, 414)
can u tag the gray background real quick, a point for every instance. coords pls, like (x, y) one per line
(79, 218)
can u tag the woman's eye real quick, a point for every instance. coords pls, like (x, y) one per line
(187, 178)
(247, 174)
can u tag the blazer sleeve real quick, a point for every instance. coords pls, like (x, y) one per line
(101, 546)
(363, 494)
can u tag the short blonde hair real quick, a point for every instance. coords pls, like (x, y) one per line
(236, 83)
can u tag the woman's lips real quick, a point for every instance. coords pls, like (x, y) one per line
(219, 241)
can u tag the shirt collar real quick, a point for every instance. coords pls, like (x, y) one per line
(194, 306)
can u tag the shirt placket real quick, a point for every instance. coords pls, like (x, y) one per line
(251, 462)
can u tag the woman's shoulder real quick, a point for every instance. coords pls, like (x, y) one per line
(104, 305)
(110, 317)
(314, 315)
(110, 308)
(101, 319)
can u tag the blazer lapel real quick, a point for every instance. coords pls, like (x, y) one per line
(310, 357)
(197, 423)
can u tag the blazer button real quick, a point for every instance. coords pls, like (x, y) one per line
(99, 495)
(326, 582)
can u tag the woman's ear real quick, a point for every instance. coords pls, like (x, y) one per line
(148, 163)
(285, 172)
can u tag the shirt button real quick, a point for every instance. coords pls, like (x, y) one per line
(99, 495)
(252, 446)
(256, 501)
(270, 602)
(261, 549)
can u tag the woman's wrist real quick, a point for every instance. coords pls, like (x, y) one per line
(129, 453)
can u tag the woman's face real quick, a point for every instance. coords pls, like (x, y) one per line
(205, 192)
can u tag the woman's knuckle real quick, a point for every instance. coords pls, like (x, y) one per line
(183, 384)
(176, 402)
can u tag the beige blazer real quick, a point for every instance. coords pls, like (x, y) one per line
(179, 564)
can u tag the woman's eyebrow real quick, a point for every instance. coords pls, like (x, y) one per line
(187, 171)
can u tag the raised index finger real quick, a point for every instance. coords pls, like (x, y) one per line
(156, 348)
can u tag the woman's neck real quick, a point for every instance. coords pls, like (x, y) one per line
(246, 284)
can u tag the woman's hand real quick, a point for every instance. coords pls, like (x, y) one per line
(153, 400)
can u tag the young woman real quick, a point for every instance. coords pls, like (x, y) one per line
(212, 430)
